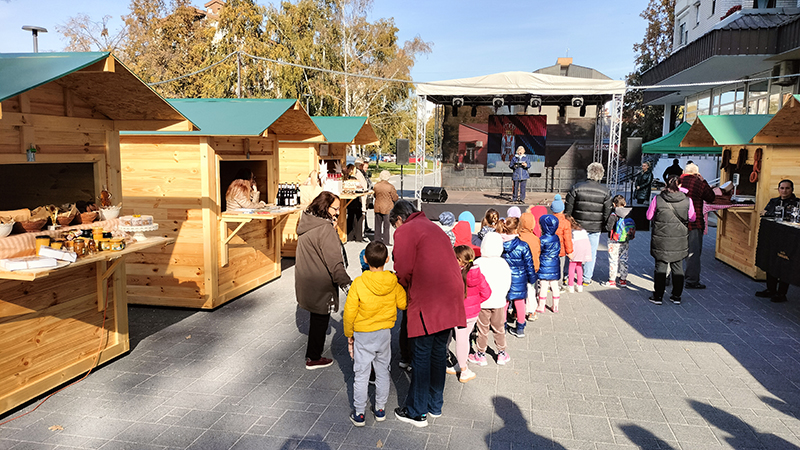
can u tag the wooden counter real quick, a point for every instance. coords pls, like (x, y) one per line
(52, 325)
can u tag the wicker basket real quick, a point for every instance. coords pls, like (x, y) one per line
(88, 217)
(65, 220)
(31, 225)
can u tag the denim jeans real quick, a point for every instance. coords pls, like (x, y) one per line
(588, 267)
(429, 360)
(519, 190)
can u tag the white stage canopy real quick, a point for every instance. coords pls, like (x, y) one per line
(521, 83)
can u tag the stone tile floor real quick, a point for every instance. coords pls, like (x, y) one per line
(611, 370)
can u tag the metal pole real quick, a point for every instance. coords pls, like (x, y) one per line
(401, 182)
(238, 75)
(35, 32)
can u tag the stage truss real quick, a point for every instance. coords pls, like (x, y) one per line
(608, 130)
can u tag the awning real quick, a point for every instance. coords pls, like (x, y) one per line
(517, 83)
(711, 131)
(671, 143)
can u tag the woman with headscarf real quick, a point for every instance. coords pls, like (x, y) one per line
(319, 272)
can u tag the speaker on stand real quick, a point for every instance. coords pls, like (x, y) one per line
(433, 194)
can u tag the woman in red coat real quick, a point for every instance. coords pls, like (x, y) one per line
(427, 267)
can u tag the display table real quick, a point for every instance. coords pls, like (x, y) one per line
(344, 199)
(714, 207)
(56, 324)
(275, 218)
(778, 251)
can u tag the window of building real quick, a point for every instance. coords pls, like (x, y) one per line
(697, 14)
(778, 96)
(683, 37)
(713, 7)
(758, 98)
(763, 3)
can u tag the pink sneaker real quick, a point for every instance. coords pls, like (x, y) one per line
(478, 358)
(503, 358)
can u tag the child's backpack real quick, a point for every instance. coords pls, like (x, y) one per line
(624, 230)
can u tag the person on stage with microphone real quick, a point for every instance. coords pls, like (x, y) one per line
(519, 165)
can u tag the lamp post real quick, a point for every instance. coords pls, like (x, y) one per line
(35, 31)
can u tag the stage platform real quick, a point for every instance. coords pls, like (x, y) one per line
(477, 202)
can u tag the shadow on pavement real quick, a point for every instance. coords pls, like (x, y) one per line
(515, 428)
(643, 438)
(145, 320)
(742, 435)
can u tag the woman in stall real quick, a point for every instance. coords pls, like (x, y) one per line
(319, 272)
(243, 193)
(776, 289)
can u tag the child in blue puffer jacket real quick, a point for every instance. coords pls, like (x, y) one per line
(518, 256)
(549, 272)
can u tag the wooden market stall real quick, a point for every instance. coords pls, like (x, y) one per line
(298, 160)
(180, 178)
(737, 228)
(59, 119)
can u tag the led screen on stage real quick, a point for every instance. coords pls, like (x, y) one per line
(506, 133)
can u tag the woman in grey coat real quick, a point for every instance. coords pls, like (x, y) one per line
(319, 272)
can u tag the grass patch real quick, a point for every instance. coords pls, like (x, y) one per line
(395, 168)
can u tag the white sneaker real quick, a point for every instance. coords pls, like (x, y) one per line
(466, 375)
(451, 370)
(571, 289)
(580, 288)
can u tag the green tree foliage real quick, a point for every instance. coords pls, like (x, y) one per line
(164, 39)
(640, 120)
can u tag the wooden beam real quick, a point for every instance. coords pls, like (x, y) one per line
(106, 65)
(69, 107)
(24, 103)
(114, 166)
(153, 125)
(302, 138)
(44, 122)
(209, 193)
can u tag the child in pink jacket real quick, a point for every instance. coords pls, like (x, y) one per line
(477, 291)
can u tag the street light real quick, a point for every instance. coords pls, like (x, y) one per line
(35, 31)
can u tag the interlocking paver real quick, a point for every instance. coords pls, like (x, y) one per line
(610, 371)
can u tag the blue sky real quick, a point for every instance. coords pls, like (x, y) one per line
(470, 37)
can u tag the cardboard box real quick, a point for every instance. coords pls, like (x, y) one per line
(28, 263)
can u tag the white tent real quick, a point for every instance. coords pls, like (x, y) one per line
(521, 83)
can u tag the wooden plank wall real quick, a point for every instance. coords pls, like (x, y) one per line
(50, 332)
(161, 176)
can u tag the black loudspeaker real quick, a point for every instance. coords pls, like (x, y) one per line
(402, 151)
(433, 194)
(634, 157)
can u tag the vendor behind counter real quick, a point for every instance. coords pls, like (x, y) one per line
(243, 192)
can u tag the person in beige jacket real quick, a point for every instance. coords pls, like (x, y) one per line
(319, 272)
(385, 196)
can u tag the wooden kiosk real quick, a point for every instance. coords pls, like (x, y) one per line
(737, 228)
(180, 178)
(298, 160)
(68, 107)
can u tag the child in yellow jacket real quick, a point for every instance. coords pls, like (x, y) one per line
(369, 315)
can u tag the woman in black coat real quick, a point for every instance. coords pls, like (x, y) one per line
(643, 183)
(670, 214)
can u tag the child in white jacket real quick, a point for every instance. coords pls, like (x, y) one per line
(498, 275)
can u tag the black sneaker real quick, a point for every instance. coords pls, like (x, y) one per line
(357, 419)
(654, 300)
(402, 415)
(766, 293)
(675, 300)
(778, 298)
(695, 286)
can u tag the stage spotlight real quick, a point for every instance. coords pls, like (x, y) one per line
(498, 102)
(457, 102)
(583, 111)
(535, 102)
(577, 102)
(562, 110)
(474, 111)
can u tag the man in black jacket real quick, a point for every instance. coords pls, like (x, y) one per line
(589, 202)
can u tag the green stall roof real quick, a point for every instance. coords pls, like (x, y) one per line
(232, 116)
(21, 72)
(671, 143)
(349, 130)
(724, 130)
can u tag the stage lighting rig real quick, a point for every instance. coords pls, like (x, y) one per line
(457, 103)
(474, 111)
(577, 102)
(498, 103)
(535, 102)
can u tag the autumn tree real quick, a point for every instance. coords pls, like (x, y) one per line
(640, 120)
(86, 35)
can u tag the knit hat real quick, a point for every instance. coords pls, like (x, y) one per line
(558, 205)
(385, 175)
(513, 212)
(447, 219)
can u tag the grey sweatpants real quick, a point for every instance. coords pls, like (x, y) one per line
(372, 349)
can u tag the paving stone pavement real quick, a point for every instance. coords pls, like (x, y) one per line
(610, 371)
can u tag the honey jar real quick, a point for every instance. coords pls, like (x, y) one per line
(117, 244)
